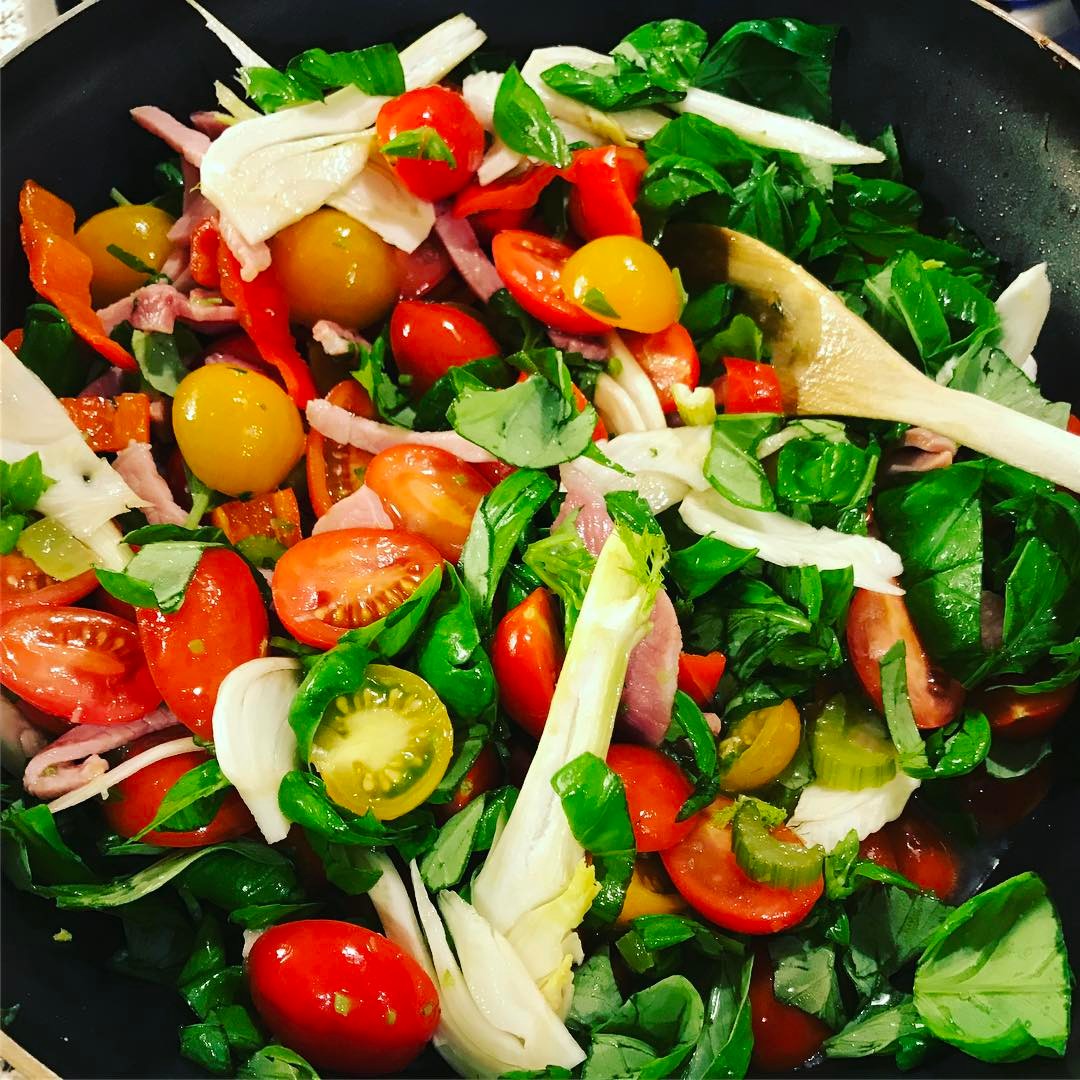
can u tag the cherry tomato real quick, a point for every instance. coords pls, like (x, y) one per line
(784, 1037)
(494, 472)
(337, 581)
(650, 891)
(133, 802)
(1073, 424)
(429, 339)
(606, 182)
(221, 625)
(142, 231)
(624, 282)
(430, 492)
(1013, 715)
(667, 357)
(335, 469)
(518, 194)
(875, 623)
(878, 848)
(749, 387)
(347, 999)
(333, 267)
(447, 114)
(765, 741)
(699, 675)
(239, 432)
(489, 223)
(998, 804)
(915, 848)
(656, 789)
(485, 774)
(23, 583)
(704, 870)
(531, 267)
(526, 654)
(79, 664)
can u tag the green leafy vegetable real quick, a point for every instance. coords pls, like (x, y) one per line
(55, 354)
(524, 124)
(563, 563)
(22, 483)
(726, 1041)
(34, 854)
(690, 741)
(190, 802)
(1007, 760)
(424, 143)
(732, 466)
(697, 569)
(889, 1028)
(992, 375)
(372, 374)
(163, 358)
(805, 976)
(133, 262)
(158, 574)
(596, 994)
(276, 1063)
(444, 865)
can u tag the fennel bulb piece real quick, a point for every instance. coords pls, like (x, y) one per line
(1022, 308)
(635, 382)
(826, 815)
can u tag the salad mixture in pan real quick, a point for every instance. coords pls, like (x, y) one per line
(562, 562)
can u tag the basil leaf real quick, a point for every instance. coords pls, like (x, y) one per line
(196, 785)
(55, 354)
(708, 310)
(690, 741)
(163, 358)
(22, 483)
(596, 994)
(207, 1046)
(34, 854)
(727, 1039)
(878, 1029)
(133, 262)
(898, 714)
(158, 574)
(444, 865)
(742, 337)
(303, 800)
(240, 875)
(271, 89)
(372, 374)
(522, 121)
(260, 916)
(276, 1063)
(697, 569)
(490, 371)
(1008, 760)
(375, 70)
(804, 975)
(346, 866)
(732, 466)
(423, 143)
(992, 375)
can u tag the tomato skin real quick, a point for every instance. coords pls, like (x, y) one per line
(606, 182)
(700, 674)
(915, 848)
(784, 1036)
(527, 654)
(46, 658)
(335, 469)
(430, 492)
(485, 774)
(748, 387)
(133, 802)
(221, 625)
(650, 892)
(1074, 424)
(704, 870)
(667, 357)
(336, 581)
(347, 999)
(421, 270)
(24, 584)
(999, 804)
(530, 266)
(1013, 715)
(875, 623)
(141, 230)
(656, 789)
(429, 339)
(446, 112)
(509, 193)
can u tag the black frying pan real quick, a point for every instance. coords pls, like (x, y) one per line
(989, 121)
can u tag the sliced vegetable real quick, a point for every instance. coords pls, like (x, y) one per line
(749, 387)
(24, 583)
(656, 790)
(336, 469)
(274, 516)
(520, 192)
(55, 552)
(765, 858)
(606, 182)
(760, 747)
(699, 675)
(1014, 714)
(109, 424)
(669, 358)
(851, 748)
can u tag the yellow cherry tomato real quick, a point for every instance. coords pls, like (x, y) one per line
(765, 741)
(332, 267)
(624, 282)
(386, 747)
(650, 891)
(239, 431)
(141, 231)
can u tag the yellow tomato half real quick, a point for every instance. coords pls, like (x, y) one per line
(765, 741)
(650, 891)
(141, 231)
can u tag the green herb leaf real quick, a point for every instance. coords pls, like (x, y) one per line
(163, 358)
(690, 741)
(878, 1029)
(805, 976)
(992, 375)
(424, 143)
(55, 354)
(34, 854)
(732, 466)
(197, 786)
(373, 375)
(697, 569)
(444, 865)
(596, 301)
(276, 1063)
(133, 262)
(22, 483)
(158, 574)
(596, 994)
(524, 124)
(727, 1040)
(1008, 760)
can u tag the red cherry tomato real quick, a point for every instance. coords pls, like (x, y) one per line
(530, 265)
(24, 584)
(221, 625)
(527, 653)
(749, 387)
(421, 270)
(699, 675)
(878, 848)
(915, 848)
(1013, 715)
(485, 774)
(875, 623)
(347, 999)
(79, 664)
(1073, 425)
(656, 789)
(705, 872)
(337, 581)
(133, 802)
(429, 492)
(446, 113)
(784, 1037)
(494, 472)
(335, 469)
(429, 339)
(998, 804)
(606, 182)
(488, 223)
(667, 357)
(517, 193)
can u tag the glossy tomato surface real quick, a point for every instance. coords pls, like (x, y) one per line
(916, 848)
(656, 789)
(667, 357)
(23, 583)
(605, 182)
(335, 469)
(347, 999)
(1017, 716)
(428, 339)
(784, 1037)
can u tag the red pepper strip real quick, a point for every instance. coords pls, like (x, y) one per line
(13, 340)
(205, 241)
(700, 675)
(512, 193)
(750, 387)
(274, 515)
(606, 182)
(264, 313)
(60, 272)
(109, 424)
(1073, 426)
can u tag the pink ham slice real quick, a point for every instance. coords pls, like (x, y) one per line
(135, 463)
(588, 347)
(921, 450)
(157, 307)
(190, 144)
(464, 250)
(335, 339)
(363, 509)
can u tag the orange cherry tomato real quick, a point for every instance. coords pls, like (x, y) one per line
(699, 675)
(485, 774)
(606, 182)
(749, 387)
(656, 789)
(335, 469)
(915, 848)
(429, 339)
(429, 492)
(23, 583)
(1013, 715)
(784, 1037)
(667, 357)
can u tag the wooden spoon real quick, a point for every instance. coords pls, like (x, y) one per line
(830, 362)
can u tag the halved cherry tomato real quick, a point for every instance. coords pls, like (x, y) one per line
(430, 492)
(494, 472)
(998, 804)
(221, 625)
(421, 270)
(447, 114)
(699, 675)
(704, 870)
(109, 424)
(79, 664)
(485, 774)
(656, 789)
(429, 339)
(205, 241)
(133, 802)
(650, 891)
(765, 741)
(516, 193)
(875, 623)
(784, 1037)
(13, 339)
(667, 357)
(337, 581)
(335, 469)
(878, 848)
(274, 515)
(530, 266)
(749, 387)
(23, 583)
(347, 999)
(606, 182)
(1013, 715)
(915, 848)
(527, 654)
